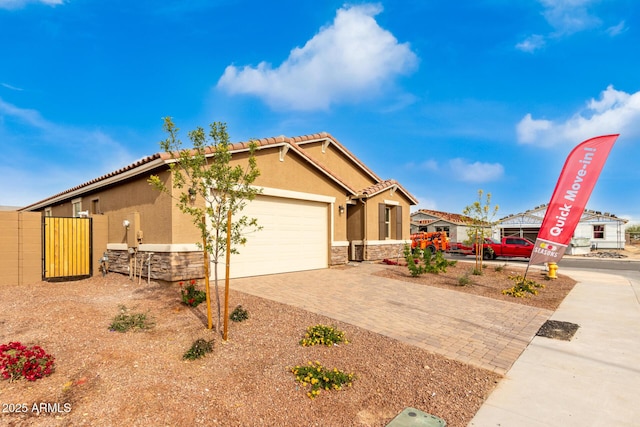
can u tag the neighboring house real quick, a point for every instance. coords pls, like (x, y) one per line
(455, 225)
(596, 230)
(320, 206)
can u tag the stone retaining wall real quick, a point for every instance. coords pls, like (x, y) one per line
(167, 266)
(377, 252)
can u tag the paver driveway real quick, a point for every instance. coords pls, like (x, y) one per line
(480, 331)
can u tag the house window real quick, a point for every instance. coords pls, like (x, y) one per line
(47, 212)
(387, 222)
(95, 206)
(444, 229)
(76, 207)
(598, 231)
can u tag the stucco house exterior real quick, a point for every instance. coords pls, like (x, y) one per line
(596, 230)
(319, 206)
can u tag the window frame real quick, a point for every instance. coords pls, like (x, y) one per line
(598, 229)
(387, 222)
(76, 207)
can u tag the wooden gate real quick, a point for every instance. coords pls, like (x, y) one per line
(66, 248)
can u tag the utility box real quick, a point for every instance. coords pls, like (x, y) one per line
(133, 229)
(412, 417)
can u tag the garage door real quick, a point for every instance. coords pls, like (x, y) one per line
(294, 237)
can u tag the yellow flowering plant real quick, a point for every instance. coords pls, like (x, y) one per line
(323, 335)
(319, 378)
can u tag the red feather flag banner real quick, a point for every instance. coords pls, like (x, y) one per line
(577, 179)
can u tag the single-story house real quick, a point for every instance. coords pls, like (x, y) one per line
(596, 230)
(455, 225)
(320, 206)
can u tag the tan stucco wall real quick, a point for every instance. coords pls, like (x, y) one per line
(118, 203)
(20, 247)
(100, 236)
(137, 196)
(372, 214)
(296, 174)
(339, 164)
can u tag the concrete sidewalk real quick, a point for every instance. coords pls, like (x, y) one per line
(592, 380)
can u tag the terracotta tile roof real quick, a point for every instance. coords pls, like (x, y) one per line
(123, 170)
(449, 217)
(276, 141)
(379, 187)
(294, 143)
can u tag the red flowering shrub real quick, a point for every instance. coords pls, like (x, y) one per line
(19, 361)
(190, 295)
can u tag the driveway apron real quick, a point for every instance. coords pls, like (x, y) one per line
(484, 332)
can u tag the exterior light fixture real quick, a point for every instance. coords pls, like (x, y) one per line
(341, 209)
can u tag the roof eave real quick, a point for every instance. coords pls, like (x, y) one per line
(83, 189)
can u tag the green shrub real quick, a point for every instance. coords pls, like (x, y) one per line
(239, 314)
(429, 263)
(323, 335)
(523, 287)
(477, 272)
(192, 296)
(321, 378)
(199, 348)
(125, 321)
(499, 268)
(464, 280)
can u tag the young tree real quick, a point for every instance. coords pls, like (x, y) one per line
(480, 216)
(211, 190)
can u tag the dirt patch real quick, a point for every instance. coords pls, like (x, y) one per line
(558, 330)
(140, 378)
(494, 279)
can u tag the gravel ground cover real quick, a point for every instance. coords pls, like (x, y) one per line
(103, 377)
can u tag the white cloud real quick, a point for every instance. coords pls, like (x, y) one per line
(617, 29)
(475, 172)
(8, 86)
(532, 43)
(17, 4)
(351, 59)
(566, 17)
(569, 16)
(615, 112)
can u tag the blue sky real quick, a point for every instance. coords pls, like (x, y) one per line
(446, 97)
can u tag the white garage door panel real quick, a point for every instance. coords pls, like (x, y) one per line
(294, 237)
